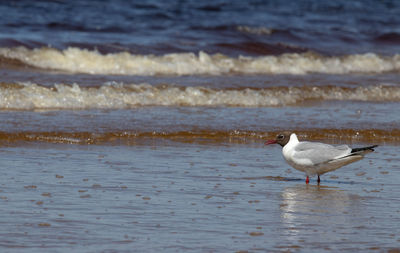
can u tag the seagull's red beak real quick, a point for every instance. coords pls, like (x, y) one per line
(270, 142)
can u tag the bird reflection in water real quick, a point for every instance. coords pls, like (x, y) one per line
(316, 213)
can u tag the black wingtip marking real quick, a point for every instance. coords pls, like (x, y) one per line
(370, 148)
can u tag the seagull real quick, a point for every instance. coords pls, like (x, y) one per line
(316, 158)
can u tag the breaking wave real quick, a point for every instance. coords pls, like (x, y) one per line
(77, 60)
(28, 96)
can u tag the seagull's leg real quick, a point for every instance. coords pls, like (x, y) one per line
(319, 180)
(307, 180)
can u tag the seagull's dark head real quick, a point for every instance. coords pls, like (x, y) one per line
(281, 139)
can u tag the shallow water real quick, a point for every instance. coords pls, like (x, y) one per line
(164, 196)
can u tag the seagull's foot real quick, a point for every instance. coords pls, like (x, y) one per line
(307, 180)
(319, 180)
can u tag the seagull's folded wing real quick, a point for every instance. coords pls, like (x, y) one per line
(316, 153)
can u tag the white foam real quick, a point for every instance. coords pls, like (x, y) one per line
(28, 96)
(92, 62)
(254, 30)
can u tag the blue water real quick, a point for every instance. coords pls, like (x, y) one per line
(229, 27)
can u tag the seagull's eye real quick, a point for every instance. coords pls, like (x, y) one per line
(280, 136)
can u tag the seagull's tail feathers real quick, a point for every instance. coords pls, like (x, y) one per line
(356, 154)
(362, 151)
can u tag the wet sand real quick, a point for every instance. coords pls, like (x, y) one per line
(164, 196)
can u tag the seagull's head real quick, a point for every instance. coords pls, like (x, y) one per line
(281, 139)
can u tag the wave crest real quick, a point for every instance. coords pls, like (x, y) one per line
(27, 96)
(92, 62)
